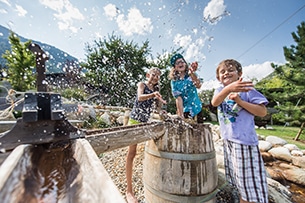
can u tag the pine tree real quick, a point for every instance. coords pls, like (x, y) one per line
(20, 63)
(291, 102)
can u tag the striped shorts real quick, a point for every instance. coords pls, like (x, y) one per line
(245, 170)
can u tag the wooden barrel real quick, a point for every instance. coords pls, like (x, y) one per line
(181, 166)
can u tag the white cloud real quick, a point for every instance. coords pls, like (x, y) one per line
(182, 41)
(21, 11)
(253, 71)
(209, 85)
(134, 23)
(3, 11)
(66, 13)
(257, 71)
(5, 2)
(214, 11)
(111, 11)
(192, 49)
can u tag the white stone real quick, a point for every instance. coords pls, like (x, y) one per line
(281, 153)
(264, 146)
(276, 140)
(291, 147)
(296, 153)
(106, 118)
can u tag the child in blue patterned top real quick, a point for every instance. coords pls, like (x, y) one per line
(238, 102)
(184, 84)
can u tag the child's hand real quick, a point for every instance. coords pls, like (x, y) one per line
(194, 67)
(159, 97)
(234, 96)
(240, 86)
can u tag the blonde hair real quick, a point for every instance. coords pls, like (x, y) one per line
(227, 63)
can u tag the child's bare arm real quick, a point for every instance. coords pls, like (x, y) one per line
(237, 86)
(255, 109)
(192, 74)
(143, 97)
(179, 106)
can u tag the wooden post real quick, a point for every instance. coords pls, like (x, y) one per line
(300, 132)
(41, 58)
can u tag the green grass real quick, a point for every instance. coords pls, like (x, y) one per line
(286, 133)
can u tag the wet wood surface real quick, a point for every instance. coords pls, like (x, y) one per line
(113, 138)
(66, 172)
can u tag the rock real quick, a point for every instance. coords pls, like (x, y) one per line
(299, 161)
(269, 128)
(296, 153)
(106, 118)
(295, 175)
(281, 153)
(291, 147)
(285, 165)
(275, 174)
(267, 157)
(264, 146)
(120, 120)
(278, 192)
(275, 141)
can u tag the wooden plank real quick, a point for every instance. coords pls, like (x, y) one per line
(12, 173)
(114, 138)
(97, 186)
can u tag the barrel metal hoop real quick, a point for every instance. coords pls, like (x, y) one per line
(180, 156)
(180, 198)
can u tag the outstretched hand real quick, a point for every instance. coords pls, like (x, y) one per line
(240, 86)
(194, 67)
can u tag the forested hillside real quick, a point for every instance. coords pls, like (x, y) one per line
(57, 57)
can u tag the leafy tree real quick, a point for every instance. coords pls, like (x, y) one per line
(20, 63)
(162, 62)
(115, 67)
(291, 76)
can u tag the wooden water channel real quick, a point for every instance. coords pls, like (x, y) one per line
(46, 159)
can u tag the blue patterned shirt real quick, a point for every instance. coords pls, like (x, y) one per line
(186, 89)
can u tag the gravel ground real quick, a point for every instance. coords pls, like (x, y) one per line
(114, 163)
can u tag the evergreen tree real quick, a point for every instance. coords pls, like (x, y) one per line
(20, 63)
(291, 102)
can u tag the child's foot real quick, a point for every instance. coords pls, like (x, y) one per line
(131, 198)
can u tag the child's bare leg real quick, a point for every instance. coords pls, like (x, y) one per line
(132, 150)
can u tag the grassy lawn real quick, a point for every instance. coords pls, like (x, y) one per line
(286, 133)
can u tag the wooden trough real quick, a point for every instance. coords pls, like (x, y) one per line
(69, 172)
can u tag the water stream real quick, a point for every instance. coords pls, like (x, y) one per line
(52, 177)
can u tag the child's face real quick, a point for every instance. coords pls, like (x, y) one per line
(180, 65)
(229, 74)
(153, 77)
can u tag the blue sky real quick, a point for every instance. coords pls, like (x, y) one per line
(253, 32)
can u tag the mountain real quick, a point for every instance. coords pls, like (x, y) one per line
(55, 64)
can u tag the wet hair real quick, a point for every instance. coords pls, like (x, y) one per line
(227, 63)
